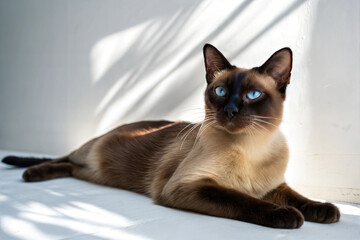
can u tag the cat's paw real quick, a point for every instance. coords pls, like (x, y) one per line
(320, 212)
(285, 217)
(33, 174)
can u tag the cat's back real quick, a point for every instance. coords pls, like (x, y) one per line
(126, 155)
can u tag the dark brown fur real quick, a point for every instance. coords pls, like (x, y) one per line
(312, 211)
(232, 165)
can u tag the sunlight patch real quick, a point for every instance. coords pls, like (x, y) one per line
(349, 209)
(110, 49)
(3, 198)
(22, 229)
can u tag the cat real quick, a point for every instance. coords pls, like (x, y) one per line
(231, 165)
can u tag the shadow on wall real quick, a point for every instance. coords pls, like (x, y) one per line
(160, 64)
(90, 68)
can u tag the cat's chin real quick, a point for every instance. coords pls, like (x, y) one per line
(233, 128)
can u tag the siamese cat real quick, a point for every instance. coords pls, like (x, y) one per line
(231, 165)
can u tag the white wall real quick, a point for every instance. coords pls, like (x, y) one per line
(70, 70)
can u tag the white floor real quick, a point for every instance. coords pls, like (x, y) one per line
(72, 209)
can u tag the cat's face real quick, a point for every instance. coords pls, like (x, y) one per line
(246, 100)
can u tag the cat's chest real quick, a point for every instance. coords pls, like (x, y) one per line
(253, 173)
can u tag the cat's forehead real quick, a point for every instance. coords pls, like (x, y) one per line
(249, 78)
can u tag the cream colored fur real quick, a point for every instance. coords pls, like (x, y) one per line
(251, 165)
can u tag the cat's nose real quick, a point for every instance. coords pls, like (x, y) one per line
(231, 110)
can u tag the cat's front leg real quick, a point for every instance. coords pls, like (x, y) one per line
(313, 211)
(207, 197)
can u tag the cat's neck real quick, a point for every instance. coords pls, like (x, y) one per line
(215, 137)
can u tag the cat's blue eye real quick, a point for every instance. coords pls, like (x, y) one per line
(220, 91)
(253, 94)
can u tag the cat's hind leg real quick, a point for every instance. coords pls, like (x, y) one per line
(47, 171)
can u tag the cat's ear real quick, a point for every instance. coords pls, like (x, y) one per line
(214, 62)
(278, 66)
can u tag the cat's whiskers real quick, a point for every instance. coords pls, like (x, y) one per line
(213, 121)
(210, 110)
(200, 111)
(209, 117)
(247, 131)
(256, 130)
(250, 130)
(188, 125)
(195, 113)
(256, 127)
(201, 131)
(275, 118)
(190, 130)
(188, 133)
(193, 109)
(192, 122)
(202, 128)
(263, 121)
(259, 116)
(261, 126)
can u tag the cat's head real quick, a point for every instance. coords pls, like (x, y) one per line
(242, 100)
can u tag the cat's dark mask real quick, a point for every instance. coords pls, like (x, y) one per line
(248, 100)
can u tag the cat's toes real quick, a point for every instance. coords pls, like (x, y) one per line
(32, 174)
(286, 217)
(320, 212)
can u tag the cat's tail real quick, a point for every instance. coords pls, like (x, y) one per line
(24, 161)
